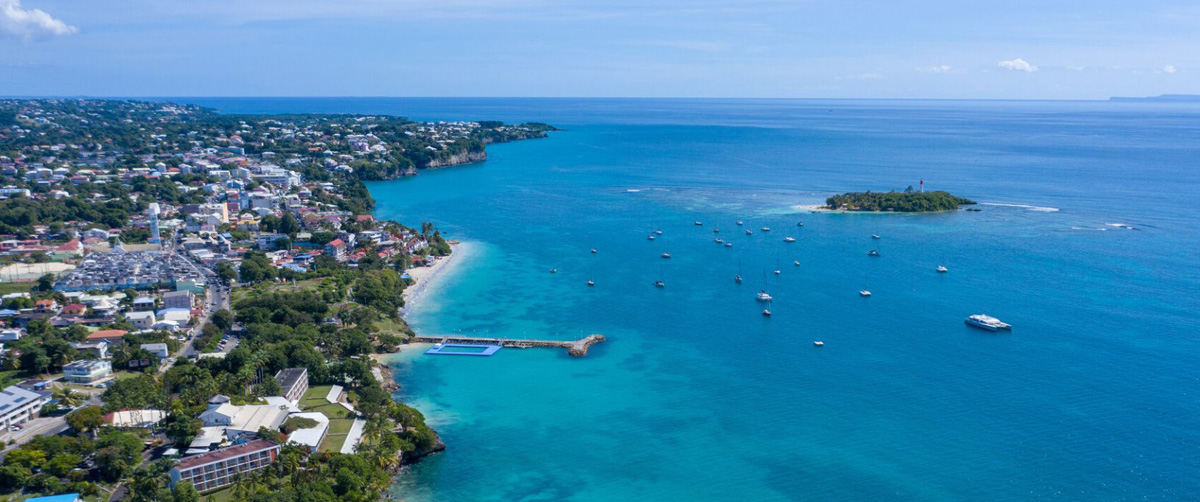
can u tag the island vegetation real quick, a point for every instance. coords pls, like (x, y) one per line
(907, 201)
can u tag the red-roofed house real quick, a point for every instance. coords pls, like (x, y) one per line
(45, 306)
(335, 248)
(112, 336)
(74, 309)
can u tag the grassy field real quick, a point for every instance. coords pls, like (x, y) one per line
(336, 437)
(390, 326)
(15, 287)
(11, 377)
(250, 292)
(315, 396)
(331, 410)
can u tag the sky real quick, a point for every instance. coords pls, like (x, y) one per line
(941, 49)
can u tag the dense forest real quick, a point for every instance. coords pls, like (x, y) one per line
(901, 202)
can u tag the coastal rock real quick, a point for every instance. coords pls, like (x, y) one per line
(459, 159)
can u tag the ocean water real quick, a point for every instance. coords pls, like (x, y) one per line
(1086, 243)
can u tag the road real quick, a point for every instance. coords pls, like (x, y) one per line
(42, 426)
(217, 298)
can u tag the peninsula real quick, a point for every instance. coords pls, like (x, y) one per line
(907, 201)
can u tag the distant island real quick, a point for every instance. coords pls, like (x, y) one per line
(1162, 98)
(907, 201)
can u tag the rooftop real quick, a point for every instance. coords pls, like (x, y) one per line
(289, 377)
(14, 396)
(226, 453)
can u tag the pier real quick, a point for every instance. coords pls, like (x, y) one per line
(577, 348)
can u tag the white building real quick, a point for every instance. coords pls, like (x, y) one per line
(141, 320)
(239, 420)
(87, 370)
(18, 405)
(158, 349)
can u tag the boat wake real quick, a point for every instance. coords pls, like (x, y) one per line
(1039, 209)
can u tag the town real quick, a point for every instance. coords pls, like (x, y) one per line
(189, 299)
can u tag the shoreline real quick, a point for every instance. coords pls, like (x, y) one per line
(425, 277)
(813, 208)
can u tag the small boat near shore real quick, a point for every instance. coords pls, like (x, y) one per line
(987, 322)
(796, 263)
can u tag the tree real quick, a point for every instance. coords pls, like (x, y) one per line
(45, 283)
(13, 477)
(288, 225)
(136, 392)
(183, 430)
(118, 454)
(185, 492)
(67, 397)
(85, 419)
(222, 319)
(226, 272)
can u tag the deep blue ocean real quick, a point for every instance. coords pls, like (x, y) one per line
(1087, 243)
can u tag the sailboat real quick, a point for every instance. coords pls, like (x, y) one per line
(777, 269)
(728, 244)
(659, 283)
(650, 237)
(763, 295)
(738, 278)
(796, 263)
(716, 230)
(942, 269)
(739, 222)
(748, 232)
(591, 282)
(789, 239)
(767, 311)
(864, 293)
(666, 255)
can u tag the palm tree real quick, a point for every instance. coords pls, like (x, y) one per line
(67, 397)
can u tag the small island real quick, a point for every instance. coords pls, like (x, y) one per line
(907, 201)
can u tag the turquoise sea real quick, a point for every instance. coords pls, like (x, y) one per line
(1086, 242)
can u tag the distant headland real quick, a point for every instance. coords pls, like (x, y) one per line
(908, 201)
(1162, 98)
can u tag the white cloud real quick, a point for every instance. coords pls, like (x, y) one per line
(1169, 69)
(1018, 65)
(942, 68)
(29, 24)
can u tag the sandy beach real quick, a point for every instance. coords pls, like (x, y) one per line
(425, 277)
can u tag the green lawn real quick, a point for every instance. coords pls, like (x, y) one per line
(15, 287)
(315, 396)
(331, 410)
(11, 377)
(336, 436)
(222, 495)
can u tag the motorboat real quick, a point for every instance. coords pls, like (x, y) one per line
(767, 312)
(660, 284)
(650, 237)
(987, 322)
(716, 230)
(591, 282)
(864, 293)
(719, 240)
(765, 229)
(728, 244)
(554, 271)
(818, 343)
(873, 252)
(737, 278)
(789, 239)
(739, 222)
(666, 255)
(796, 263)
(699, 223)
(748, 232)
(777, 271)
(799, 223)
(763, 296)
(659, 232)
(593, 250)
(942, 269)
(875, 236)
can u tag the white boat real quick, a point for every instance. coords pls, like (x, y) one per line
(666, 255)
(737, 278)
(873, 253)
(739, 222)
(554, 271)
(748, 232)
(766, 312)
(593, 250)
(719, 240)
(796, 263)
(789, 239)
(659, 232)
(864, 293)
(765, 229)
(699, 223)
(875, 236)
(660, 284)
(591, 282)
(716, 230)
(818, 343)
(651, 236)
(763, 296)
(728, 244)
(987, 322)
(799, 223)
(777, 271)
(942, 269)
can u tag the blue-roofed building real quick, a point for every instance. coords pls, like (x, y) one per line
(66, 497)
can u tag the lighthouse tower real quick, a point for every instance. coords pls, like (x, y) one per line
(154, 210)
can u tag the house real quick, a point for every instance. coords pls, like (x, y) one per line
(11, 334)
(158, 349)
(294, 382)
(336, 248)
(18, 405)
(179, 300)
(87, 370)
(97, 349)
(223, 467)
(141, 320)
(74, 309)
(112, 336)
(181, 316)
(45, 306)
(143, 304)
(131, 419)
